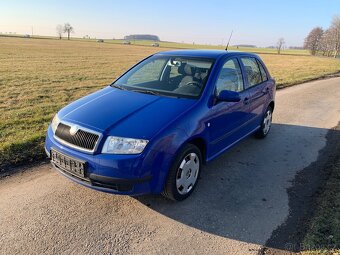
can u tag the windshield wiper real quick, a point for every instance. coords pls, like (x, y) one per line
(150, 92)
(118, 86)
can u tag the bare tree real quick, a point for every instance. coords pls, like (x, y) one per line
(335, 30)
(60, 31)
(280, 44)
(68, 29)
(327, 44)
(313, 40)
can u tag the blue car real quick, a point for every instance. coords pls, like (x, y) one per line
(153, 128)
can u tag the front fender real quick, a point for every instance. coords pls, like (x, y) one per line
(162, 155)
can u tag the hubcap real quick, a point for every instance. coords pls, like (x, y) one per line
(267, 122)
(187, 173)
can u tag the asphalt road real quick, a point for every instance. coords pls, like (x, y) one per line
(240, 200)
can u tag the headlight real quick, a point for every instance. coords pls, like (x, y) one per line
(55, 122)
(120, 145)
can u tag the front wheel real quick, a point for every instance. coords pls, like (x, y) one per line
(266, 123)
(184, 173)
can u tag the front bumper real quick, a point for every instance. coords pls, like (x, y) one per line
(118, 174)
(108, 184)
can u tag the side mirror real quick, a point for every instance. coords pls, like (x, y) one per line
(229, 96)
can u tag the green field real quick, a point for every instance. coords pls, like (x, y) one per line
(39, 76)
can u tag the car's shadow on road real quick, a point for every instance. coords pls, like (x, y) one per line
(243, 193)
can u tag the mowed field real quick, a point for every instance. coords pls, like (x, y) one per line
(39, 76)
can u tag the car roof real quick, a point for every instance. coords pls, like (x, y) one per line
(215, 54)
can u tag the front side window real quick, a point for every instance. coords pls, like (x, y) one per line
(230, 77)
(168, 76)
(252, 71)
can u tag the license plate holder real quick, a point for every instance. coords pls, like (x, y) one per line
(68, 164)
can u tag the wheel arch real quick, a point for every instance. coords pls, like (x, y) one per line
(272, 105)
(201, 144)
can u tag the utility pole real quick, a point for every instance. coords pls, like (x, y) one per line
(32, 30)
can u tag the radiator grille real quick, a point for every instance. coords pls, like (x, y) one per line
(83, 139)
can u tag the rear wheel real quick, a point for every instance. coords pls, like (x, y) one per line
(266, 123)
(184, 173)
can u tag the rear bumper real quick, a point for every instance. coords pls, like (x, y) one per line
(119, 174)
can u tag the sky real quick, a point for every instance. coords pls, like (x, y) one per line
(258, 22)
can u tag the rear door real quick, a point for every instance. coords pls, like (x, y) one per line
(257, 88)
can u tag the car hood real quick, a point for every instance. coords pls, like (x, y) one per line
(125, 113)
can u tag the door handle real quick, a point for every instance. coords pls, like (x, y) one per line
(246, 100)
(265, 91)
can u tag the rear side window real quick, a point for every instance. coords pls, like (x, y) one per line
(263, 72)
(252, 71)
(230, 77)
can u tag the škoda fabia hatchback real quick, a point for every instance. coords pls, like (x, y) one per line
(151, 130)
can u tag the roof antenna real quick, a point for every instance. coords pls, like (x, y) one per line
(226, 48)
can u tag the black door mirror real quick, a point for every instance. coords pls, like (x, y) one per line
(228, 96)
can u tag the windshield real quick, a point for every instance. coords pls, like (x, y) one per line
(167, 75)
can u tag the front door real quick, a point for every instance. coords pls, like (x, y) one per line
(228, 120)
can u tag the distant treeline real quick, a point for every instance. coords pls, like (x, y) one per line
(141, 37)
(245, 45)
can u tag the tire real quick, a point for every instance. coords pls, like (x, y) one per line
(266, 123)
(183, 174)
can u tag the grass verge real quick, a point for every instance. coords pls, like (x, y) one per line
(23, 152)
(323, 232)
(323, 236)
